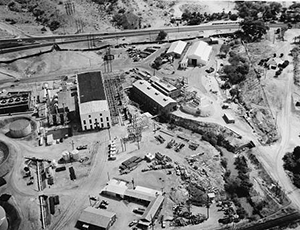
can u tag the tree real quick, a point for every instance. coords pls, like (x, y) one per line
(161, 35)
(296, 152)
(233, 17)
(253, 30)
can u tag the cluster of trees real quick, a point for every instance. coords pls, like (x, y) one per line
(196, 18)
(126, 20)
(258, 10)
(217, 140)
(237, 70)
(197, 194)
(253, 30)
(292, 164)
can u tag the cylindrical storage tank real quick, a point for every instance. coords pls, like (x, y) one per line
(66, 155)
(20, 128)
(75, 154)
(3, 220)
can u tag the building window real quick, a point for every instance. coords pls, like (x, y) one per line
(100, 114)
(101, 119)
(90, 121)
(91, 126)
(102, 125)
(89, 116)
(84, 127)
(107, 124)
(84, 122)
(107, 119)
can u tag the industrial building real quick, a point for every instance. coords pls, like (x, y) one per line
(3, 220)
(198, 54)
(165, 88)
(154, 101)
(177, 48)
(151, 198)
(14, 102)
(92, 218)
(93, 106)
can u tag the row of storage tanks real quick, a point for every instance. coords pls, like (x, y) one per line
(73, 155)
(14, 100)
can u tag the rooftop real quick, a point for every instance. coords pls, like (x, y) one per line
(139, 195)
(162, 84)
(177, 47)
(200, 49)
(93, 107)
(96, 217)
(153, 93)
(90, 87)
(152, 208)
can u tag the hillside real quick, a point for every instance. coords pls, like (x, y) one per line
(60, 17)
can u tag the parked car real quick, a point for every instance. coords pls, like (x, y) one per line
(210, 70)
(132, 223)
(80, 147)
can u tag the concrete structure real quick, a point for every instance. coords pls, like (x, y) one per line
(152, 211)
(93, 106)
(228, 118)
(177, 48)
(3, 220)
(14, 102)
(20, 128)
(97, 218)
(154, 101)
(164, 87)
(199, 53)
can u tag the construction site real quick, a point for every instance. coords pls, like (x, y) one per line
(137, 133)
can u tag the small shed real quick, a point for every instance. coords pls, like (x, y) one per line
(50, 139)
(228, 118)
(177, 48)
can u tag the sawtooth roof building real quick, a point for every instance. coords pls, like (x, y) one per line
(152, 99)
(93, 106)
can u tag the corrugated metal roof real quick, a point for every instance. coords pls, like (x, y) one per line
(199, 49)
(146, 88)
(116, 189)
(90, 86)
(152, 208)
(93, 107)
(96, 217)
(139, 195)
(177, 47)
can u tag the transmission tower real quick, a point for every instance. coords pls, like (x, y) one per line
(108, 57)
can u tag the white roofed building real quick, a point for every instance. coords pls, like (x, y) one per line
(152, 99)
(199, 53)
(177, 48)
(93, 106)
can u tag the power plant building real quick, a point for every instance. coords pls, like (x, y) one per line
(154, 101)
(93, 106)
(165, 87)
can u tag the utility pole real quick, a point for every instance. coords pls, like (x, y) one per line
(72, 145)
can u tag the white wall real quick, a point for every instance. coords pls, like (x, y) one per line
(88, 121)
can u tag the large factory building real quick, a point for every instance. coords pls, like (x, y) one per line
(93, 106)
(155, 101)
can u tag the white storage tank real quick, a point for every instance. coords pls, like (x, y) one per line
(66, 155)
(3, 220)
(20, 128)
(75, 154)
